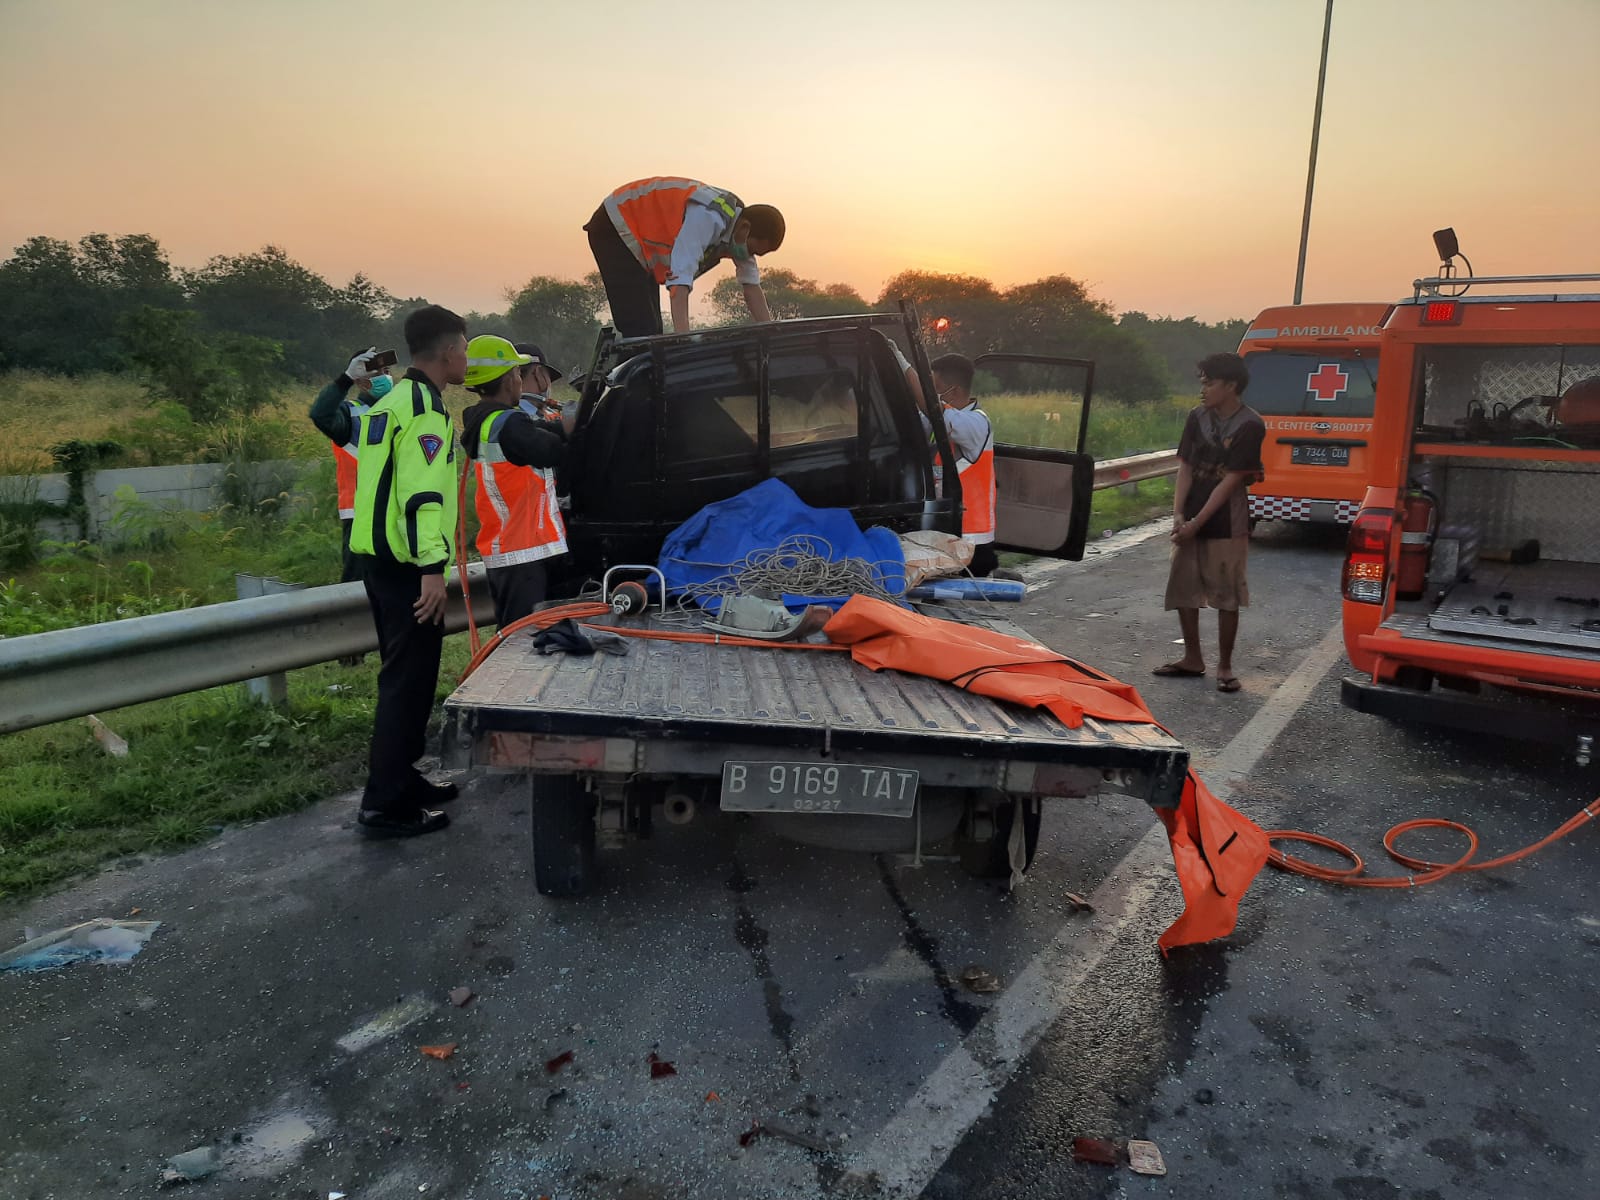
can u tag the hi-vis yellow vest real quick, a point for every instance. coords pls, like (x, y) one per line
(405, 508)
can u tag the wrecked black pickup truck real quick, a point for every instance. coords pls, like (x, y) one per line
(815, 746)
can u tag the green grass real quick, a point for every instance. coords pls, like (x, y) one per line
(1050, 419)
(194, 764)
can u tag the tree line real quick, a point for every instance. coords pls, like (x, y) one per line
(220, 337)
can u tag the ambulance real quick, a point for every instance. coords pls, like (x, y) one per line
(1471, 580)
(1313, 372)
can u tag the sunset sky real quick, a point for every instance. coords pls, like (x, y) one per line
(1155, 149)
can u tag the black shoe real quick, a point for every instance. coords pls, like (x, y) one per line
(375, 823)
(425, 792)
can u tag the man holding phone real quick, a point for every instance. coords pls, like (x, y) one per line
(368, 373)
(404, 523)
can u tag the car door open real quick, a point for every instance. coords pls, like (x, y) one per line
(1044, 479)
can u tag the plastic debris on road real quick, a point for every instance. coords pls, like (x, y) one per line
(1145, 1158)
(555, 1064)
(440, 1052)
(102, 940)
(980, 980)
(461, 996)
(1096, 1150)
(192, 1165)
(660, 1068)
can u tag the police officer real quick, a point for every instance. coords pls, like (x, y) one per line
(330, 400)
(514, 451)
(405, 518)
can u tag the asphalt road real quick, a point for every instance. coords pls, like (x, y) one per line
(1436, 1043)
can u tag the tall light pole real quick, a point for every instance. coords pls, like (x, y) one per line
(1311, 171)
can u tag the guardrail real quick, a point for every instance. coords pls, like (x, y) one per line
(1135, 468)
(47, 677)
(66, 673)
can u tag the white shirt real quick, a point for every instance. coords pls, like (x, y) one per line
(704, 227)
(969, 430)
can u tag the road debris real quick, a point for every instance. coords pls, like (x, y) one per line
(191, 1165)
(555, 1064)
(751, 1134)
(660, 1068)
(102, 940)
(461, 996)
(109, 741)
(795, 1137)
(440, 1052)
(980, 980)
(386, 1024)
(1096, 1150)
(713, 1098)
(1145, 1158)
(1079, 904)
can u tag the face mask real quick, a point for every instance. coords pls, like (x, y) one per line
(739, 253)
(381, 386)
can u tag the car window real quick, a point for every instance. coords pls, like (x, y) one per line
(1285, 383)
(812, 395)
(709, 410)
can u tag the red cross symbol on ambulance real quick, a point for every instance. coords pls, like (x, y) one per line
(1327, 381)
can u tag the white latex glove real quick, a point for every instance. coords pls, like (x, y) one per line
(357, 370)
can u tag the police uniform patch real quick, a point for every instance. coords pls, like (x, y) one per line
(431, 444)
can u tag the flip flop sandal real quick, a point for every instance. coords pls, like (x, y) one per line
(1178, 671)
(1229, 683)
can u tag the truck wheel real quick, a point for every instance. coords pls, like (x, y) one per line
(563, 836)
(991, 859)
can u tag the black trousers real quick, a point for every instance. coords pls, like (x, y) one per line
(516, 591)
(632, 292)
(350, 560)
(984, 560)
(406, 684)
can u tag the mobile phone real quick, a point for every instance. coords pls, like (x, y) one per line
(382, 360)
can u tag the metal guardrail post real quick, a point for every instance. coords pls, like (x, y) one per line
(266, 689)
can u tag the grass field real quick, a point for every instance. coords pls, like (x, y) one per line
(197, 762)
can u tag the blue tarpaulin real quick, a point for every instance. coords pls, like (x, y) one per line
(708, 550)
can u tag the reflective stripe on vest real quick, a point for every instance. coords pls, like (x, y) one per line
(344, 463)
(648, 214)
(977, 493)
(519, 519)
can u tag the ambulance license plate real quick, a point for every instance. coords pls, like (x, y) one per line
(818, 788)
(1309, 454)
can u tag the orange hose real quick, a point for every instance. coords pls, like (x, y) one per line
(1431, 871)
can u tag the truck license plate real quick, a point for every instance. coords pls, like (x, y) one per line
(1309, 454)
(818, 788)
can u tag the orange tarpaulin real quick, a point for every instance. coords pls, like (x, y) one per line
(1216, 850)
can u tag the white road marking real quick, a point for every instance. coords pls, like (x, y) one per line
(908, 1151)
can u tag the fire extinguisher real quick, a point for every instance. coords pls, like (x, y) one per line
(1419, 523)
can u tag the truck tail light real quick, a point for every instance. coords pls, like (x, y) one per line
(1366, 556)
(1441, 312)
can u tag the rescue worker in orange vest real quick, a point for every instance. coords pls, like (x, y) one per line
(335, 398)
(514, 455)
(669, 231)
(972, 438)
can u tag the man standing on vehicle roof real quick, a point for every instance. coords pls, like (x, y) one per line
(514, 451)
(972, 438)
(405, 518)
(1219, 457)
(670, 231)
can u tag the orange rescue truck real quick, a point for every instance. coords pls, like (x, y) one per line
(1471, 580)
(1313, 370)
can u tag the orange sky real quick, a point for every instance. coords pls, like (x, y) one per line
(1155, 149)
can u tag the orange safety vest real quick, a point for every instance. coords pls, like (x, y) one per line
(344, 463)
(519, 520)
(648, 214)
(977, 492)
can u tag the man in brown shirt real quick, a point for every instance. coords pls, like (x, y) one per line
(1219, 456)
